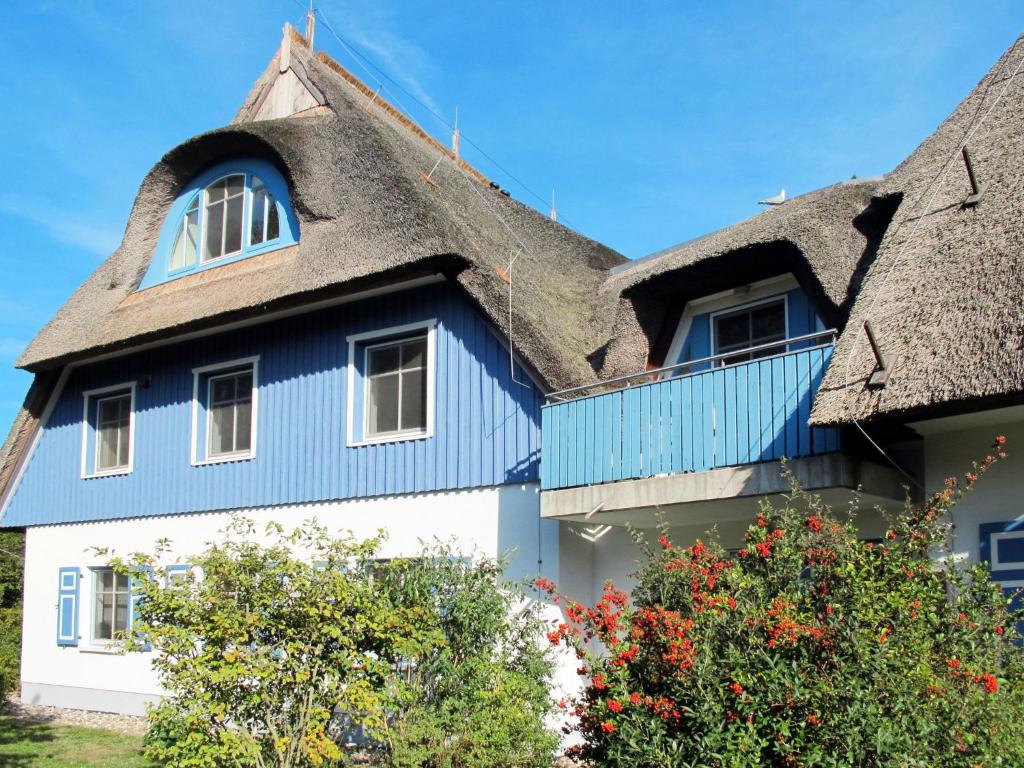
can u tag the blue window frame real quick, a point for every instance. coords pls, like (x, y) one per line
(231, 211)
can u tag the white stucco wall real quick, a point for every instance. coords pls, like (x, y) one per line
(949, 447)
(490, 522)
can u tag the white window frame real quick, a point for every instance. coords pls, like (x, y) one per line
(994, 538)
(210, 372)
(383, 337)
(204, 219)
(100, 642)
(92, 397)
(744, 307)
(726, 300)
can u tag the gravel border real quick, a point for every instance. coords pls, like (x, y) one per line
(129, 725)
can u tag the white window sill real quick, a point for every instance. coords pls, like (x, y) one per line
(108, 473)
(397, 438)
(225, 459)
(102, 650)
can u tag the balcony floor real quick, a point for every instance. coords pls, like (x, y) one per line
(730, 493)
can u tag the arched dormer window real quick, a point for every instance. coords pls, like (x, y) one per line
(232, 211)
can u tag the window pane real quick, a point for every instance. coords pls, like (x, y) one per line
(222, 429)
(121, 620)
(414, 399)
(243, 426)
(103, 617)
(258, 215)
(244, 386)
(383, 360)
(234, 184)
(108, 447)
(122, 582)
(105, 580)
(224, 390)
(382, 404)
(124, 435)
(214, 231)
(233, 227)
(215, 191)
(184, 252)
(732, 331)
(769, 323)
(273, 219)
(414, 354)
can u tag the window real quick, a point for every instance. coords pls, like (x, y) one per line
(108, 430)
(224, 411)
(738, 330)
(396, 390)
(391, 384)
(111, 613)
(113, 427)
(232, 211)
(230, 413)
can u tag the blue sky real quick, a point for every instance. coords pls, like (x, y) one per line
(654, 121)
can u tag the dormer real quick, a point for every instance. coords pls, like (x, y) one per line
(231, 211)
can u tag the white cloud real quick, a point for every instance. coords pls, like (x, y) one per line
(11, 347)
(375, 38)
(69, 227)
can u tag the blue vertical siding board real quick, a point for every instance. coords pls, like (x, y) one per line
(631, 432)
(644, 443)
(831, 433)
(720, 411)
(803, 388)
(686, 428)
(741, 415)
(730, 403)
(590, 432)
(708, 420)
(301, 449)
(566, 436)
(764, 370)
(778, 408)
(816, 372)
(792, 405)
(615, 472)
(580, 414)
(674, 462)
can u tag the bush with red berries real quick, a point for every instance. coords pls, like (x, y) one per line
(807, 647)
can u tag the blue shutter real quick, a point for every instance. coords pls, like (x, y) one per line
(135, 597)
(67, 606)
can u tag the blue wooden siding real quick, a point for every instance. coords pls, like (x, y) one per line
(486, 426)
(740, 414)
(800, 315)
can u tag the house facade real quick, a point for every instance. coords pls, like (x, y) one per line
(319, 311)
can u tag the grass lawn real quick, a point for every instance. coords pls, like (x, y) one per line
(39, 745)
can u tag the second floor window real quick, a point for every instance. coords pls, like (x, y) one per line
(113, 432)
(396, 391)
(230, 414)
(753, 326)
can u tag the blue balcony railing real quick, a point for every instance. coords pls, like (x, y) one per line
(684, 419)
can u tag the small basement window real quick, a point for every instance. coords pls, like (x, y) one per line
(391, 384)
(108, 430)
(751, 326)
(225, 409)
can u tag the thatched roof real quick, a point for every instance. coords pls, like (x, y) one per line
(944, 293)
(366, 216)
(826, 238)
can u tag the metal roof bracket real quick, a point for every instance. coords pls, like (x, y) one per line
(975, 197)
(880, 376)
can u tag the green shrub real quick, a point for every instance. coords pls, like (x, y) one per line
(808, 648)
(262, 643)
(12, 566)
(478, 697)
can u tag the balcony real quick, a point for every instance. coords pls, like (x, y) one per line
(694, 417)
